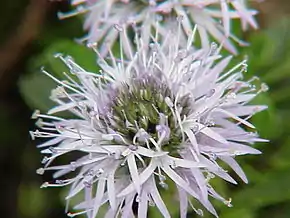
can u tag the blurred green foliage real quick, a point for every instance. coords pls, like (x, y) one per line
(268, 192)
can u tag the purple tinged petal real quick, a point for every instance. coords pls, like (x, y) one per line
(164, 7)
(203, 36)
(201, 182)
(230, 149)
(157, 198)
(209, 207)
(134, 172)
(185, 21)
(92, 160)
(212, 134)
(50, 142)
(63, 107)
(110, 213)
(226, 17)
(143, 178)
(150, 153)
(231, 115)
(111, 188)
(235, 166)
(184, 163)
(99, 195)
(241, 149)
(244, 14)
(143, 204)
(220, 67)
(179, 180)
(246, 110)
(192, 139)
(240, 98)
(183, 202)
(75, 190)
(217, 170)
(127, 209)
(88, 197)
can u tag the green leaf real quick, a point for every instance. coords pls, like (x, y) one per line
(82, 55)
(35, 89)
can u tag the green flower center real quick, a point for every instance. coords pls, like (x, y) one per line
(143, 106)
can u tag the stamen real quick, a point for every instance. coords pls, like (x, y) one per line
(78, 213)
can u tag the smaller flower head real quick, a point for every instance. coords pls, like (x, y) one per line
(213, 19)
(170, 113)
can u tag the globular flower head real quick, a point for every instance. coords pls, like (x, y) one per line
(212, 17)
(168, 113)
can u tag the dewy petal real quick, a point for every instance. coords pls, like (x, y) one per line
(157, 198)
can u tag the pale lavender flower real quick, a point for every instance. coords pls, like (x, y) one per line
(168, 113)
(212, 17)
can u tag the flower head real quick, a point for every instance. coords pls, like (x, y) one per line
(213, 18)
(170, 113)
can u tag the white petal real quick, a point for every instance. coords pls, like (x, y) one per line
(184, 163)
(99, 196)
(150, 153)
(76, 190)
(50, 142)
(134, 172)
(63, 107)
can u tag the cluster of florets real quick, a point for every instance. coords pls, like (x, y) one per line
(168, 112)
(213, 19)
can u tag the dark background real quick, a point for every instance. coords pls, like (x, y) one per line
(30, 33)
